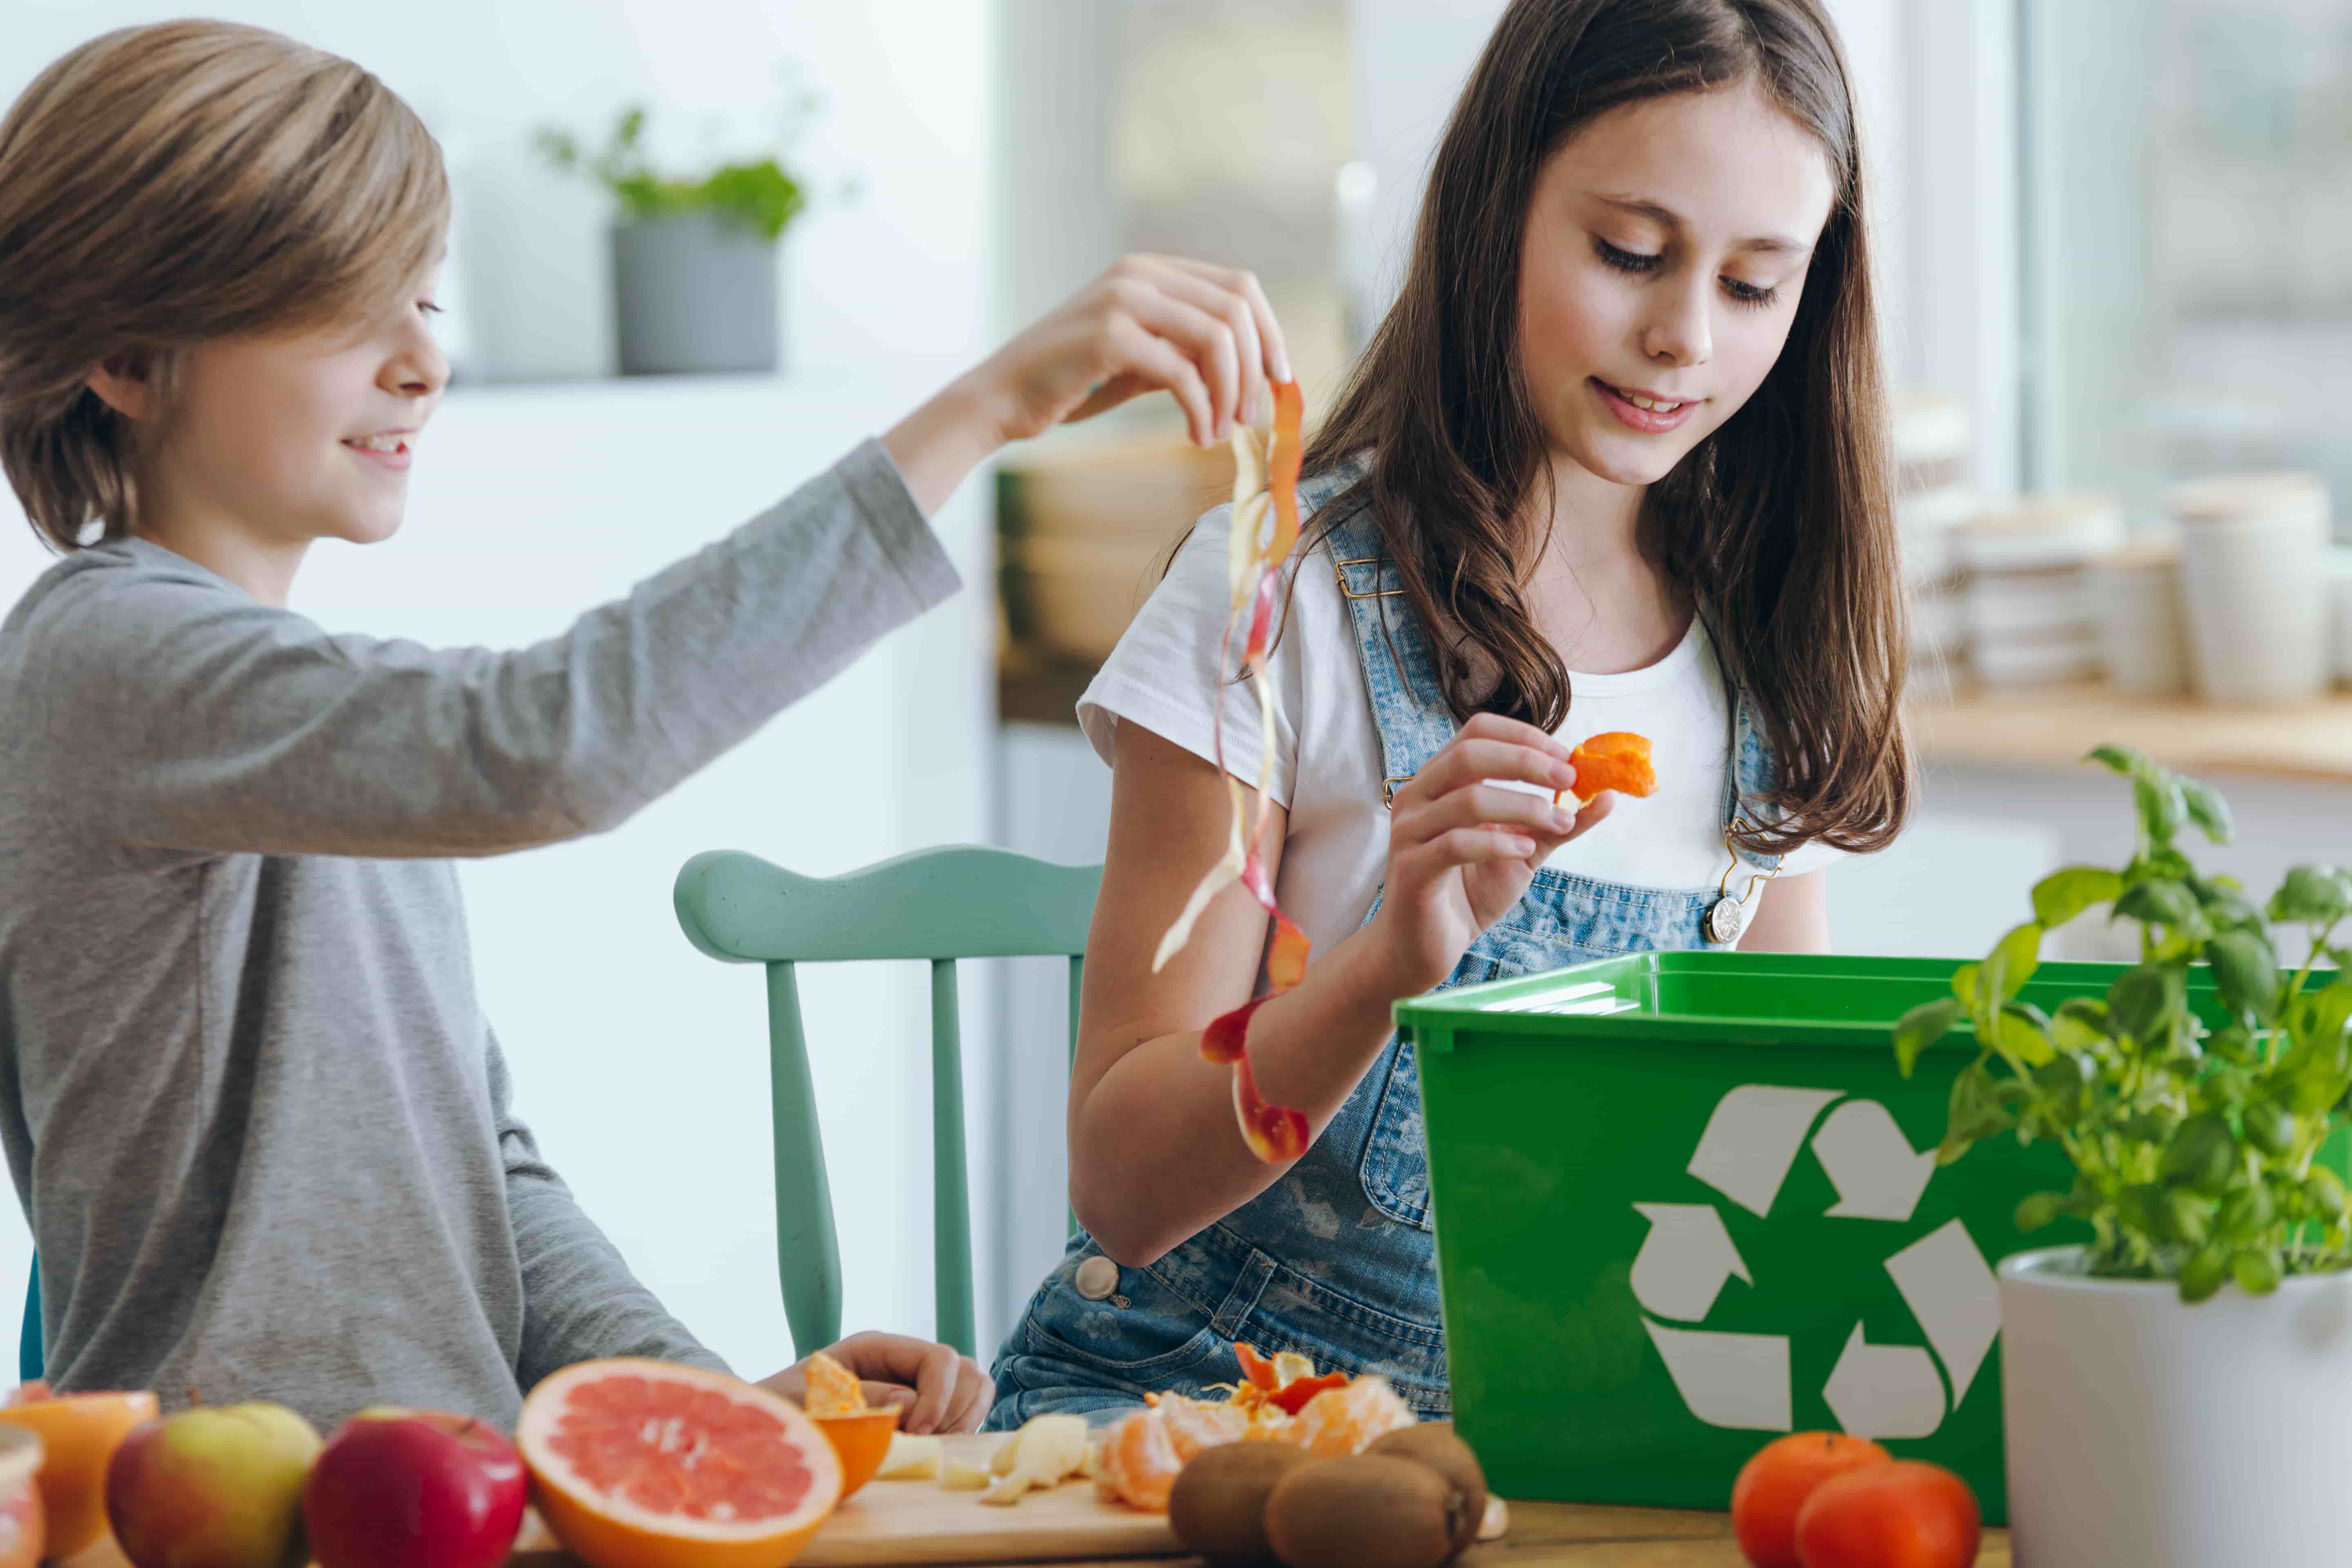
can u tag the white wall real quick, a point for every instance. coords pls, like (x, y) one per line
(642, 1064)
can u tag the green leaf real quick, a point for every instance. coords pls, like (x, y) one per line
(2233, 1042)
(2013, 960)
(2200, 1155)
(2161, 901)
(2081, 1024)
(2331, 1010)
(1965, 980)
(2207, 810)
(2269, 1126)
(1922, 1026)
(2061, 895)
(2018, 1033)
(2256, 1272)
(2127, 761)
(2203, 1274)
(2143, 996)
(2245, 973)
(2188, 1217)
(2312, 895)
(2161, 810)
(2037, 1210)
(2324, 1190)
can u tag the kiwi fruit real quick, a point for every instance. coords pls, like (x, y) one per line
(1218, 1506)
(1371, 1511)
(1434, 1443)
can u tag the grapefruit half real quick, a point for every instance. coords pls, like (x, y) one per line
(647, 1464)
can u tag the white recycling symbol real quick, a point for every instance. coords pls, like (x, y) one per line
(1742, 1381)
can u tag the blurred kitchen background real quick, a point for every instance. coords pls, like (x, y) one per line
(2116, 243)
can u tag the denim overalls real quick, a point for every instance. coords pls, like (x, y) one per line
(1337, 1260)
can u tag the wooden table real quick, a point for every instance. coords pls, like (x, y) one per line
(1568, 1535)
(1543, 1535)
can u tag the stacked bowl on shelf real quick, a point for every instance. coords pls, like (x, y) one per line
(2143, 628)
(2031, 619)
(1933, 499)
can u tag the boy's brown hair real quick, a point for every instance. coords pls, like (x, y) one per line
(163, 185)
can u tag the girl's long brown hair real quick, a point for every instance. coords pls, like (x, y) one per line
(1780, 525)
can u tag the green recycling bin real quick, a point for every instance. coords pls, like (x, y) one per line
(1685, 1201)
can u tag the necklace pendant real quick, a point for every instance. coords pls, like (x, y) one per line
(1726, 921)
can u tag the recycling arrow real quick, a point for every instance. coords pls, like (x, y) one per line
(1684, 1260)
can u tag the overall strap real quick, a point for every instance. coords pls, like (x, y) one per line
(1399, 667)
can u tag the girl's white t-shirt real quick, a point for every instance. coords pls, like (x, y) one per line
(1334, 856)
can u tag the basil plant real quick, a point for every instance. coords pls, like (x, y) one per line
(2194, 1127)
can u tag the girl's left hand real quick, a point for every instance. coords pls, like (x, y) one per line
(941, 1390)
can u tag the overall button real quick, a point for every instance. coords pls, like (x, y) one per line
(1097, 1278)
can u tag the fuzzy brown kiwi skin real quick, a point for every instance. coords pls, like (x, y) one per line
(1217, 1507)
(1371, 1511)
(1435, 1444)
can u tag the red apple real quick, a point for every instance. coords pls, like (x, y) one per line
(414, 1488)
(217, 1486)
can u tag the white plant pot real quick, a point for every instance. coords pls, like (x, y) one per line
(2144, 1431)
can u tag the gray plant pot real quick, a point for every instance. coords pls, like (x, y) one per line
(694, 295)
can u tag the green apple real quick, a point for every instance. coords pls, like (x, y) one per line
(217, 1486)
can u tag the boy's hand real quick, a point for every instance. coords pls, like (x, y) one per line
(1204, 334)
(942, 1391)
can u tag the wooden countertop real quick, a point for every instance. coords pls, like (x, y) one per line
(1543, 1535)
(2053, 727)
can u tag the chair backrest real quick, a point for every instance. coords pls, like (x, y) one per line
(940, 905)
(31, 1357)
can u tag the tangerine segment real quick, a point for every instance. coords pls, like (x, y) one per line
(832, 1388)
(647, 1464)
(861, 1441)
(80, 1433)
(1616, 761)
(1139, 1463)
(1342, 1421)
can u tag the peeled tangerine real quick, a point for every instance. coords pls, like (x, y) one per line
(861, 1436)
(1144, 1453)
(1615, 761)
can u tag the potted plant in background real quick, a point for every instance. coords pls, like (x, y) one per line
(2177, 1393)
(694, 258)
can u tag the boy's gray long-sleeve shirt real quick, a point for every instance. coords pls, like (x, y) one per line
(250, 1100)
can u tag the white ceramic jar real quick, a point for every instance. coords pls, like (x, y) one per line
(2142, 1430)
(2253, 575)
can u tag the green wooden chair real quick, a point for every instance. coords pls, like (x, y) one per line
(941, 905)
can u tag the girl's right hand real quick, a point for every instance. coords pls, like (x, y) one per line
(1462, 851)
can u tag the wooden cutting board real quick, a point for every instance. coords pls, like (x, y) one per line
(915, 1523)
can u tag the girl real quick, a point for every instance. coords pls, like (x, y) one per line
(250, 1102)
(1613, 462)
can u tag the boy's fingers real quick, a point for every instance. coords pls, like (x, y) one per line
(975, 1392)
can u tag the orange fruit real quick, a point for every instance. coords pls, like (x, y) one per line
(21, 1531)
(80, 1432)
(861, 1441)
(1902, 1514)
(1138, 1464)
(1616, 761)
(648, 1464)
